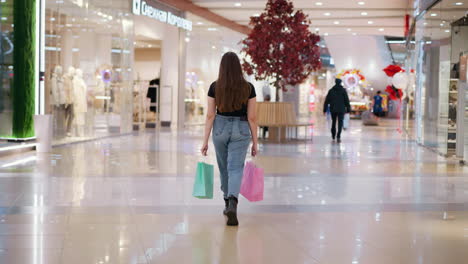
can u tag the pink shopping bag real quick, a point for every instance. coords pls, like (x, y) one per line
(252, 182)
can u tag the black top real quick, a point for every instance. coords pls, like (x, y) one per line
(338, 99)
(241, 112)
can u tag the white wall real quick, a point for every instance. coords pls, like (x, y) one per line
(170, 75)
(370, 54)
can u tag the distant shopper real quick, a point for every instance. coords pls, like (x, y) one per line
(338, 101)
(231, 114)
(378, 99)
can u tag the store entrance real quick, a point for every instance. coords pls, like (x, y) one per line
(147, 70)
(459, 85)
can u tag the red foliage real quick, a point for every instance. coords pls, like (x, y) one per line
(281, 45)
(392, 70)
(394, 93)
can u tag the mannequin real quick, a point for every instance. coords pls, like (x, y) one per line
(68, 98)
(80, 103)
(56, 87)
(57, 99)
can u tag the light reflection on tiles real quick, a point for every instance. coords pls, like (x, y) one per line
(375, 198)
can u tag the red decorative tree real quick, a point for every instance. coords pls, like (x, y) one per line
(281, 46)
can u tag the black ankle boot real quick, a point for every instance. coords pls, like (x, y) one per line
(231, 212)
(226, 203)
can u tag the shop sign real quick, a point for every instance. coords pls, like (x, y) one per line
(142, 8)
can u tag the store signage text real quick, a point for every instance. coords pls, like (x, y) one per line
(141, 7)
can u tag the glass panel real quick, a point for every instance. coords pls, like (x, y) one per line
(6, 67)
(432, 52)
(89, 56)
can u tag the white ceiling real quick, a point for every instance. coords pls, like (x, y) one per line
(386, 16)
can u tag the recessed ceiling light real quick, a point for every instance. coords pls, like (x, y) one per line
(448, 31)
(364, 14)
(212, 29)
(238, 4)
(319, 3)
(370, 22)
(348, 29)
(327, 14)
(354, 33)
(425, 23)
(317, 29)
(361, 3)
(256, 15)
(441, 24)
(213, 47)
(187, 39)
(336, 22)
(434, 14)
(199, 23)
(458, 3)
(381, 29)
(326, 34)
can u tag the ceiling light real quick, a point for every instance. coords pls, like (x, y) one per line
(361, 3)
(327, 14)
(447, 31)
(354, 33)
(187, 39)
(348, 29)
(364, 14)
(213, 47)
(441, 24)
(199, 23)
(212, 29)
(317, 29)
(381, 29)
(458, 3)
(336, 22)
(238, 4)
(150, 46)
(256, 15)
(326, 34)
(370, 22)
(434, 14)
(425, 23)
(319, 3)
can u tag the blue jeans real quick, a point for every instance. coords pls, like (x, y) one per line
(231, 138)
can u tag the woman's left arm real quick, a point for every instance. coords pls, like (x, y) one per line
(210, 117)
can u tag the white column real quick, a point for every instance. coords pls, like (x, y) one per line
(67, 49)
(182, 70)
(169, 77)
(104, 49)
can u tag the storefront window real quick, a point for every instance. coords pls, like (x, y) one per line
(435, 100)
(6, 67)
(89, 56)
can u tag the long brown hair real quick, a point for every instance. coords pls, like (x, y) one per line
(232, 90)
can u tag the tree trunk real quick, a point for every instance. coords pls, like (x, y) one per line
(278, 88)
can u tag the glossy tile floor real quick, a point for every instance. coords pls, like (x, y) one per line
(376, 198)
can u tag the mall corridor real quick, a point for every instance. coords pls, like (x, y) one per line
(376, 198)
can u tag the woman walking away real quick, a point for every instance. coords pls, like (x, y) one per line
(231, 115)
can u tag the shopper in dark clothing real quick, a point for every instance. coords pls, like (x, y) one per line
(338, 100)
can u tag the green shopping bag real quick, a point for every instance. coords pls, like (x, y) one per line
(203, 186)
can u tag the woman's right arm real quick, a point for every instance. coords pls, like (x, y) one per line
(252, 118)
(210, 117)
